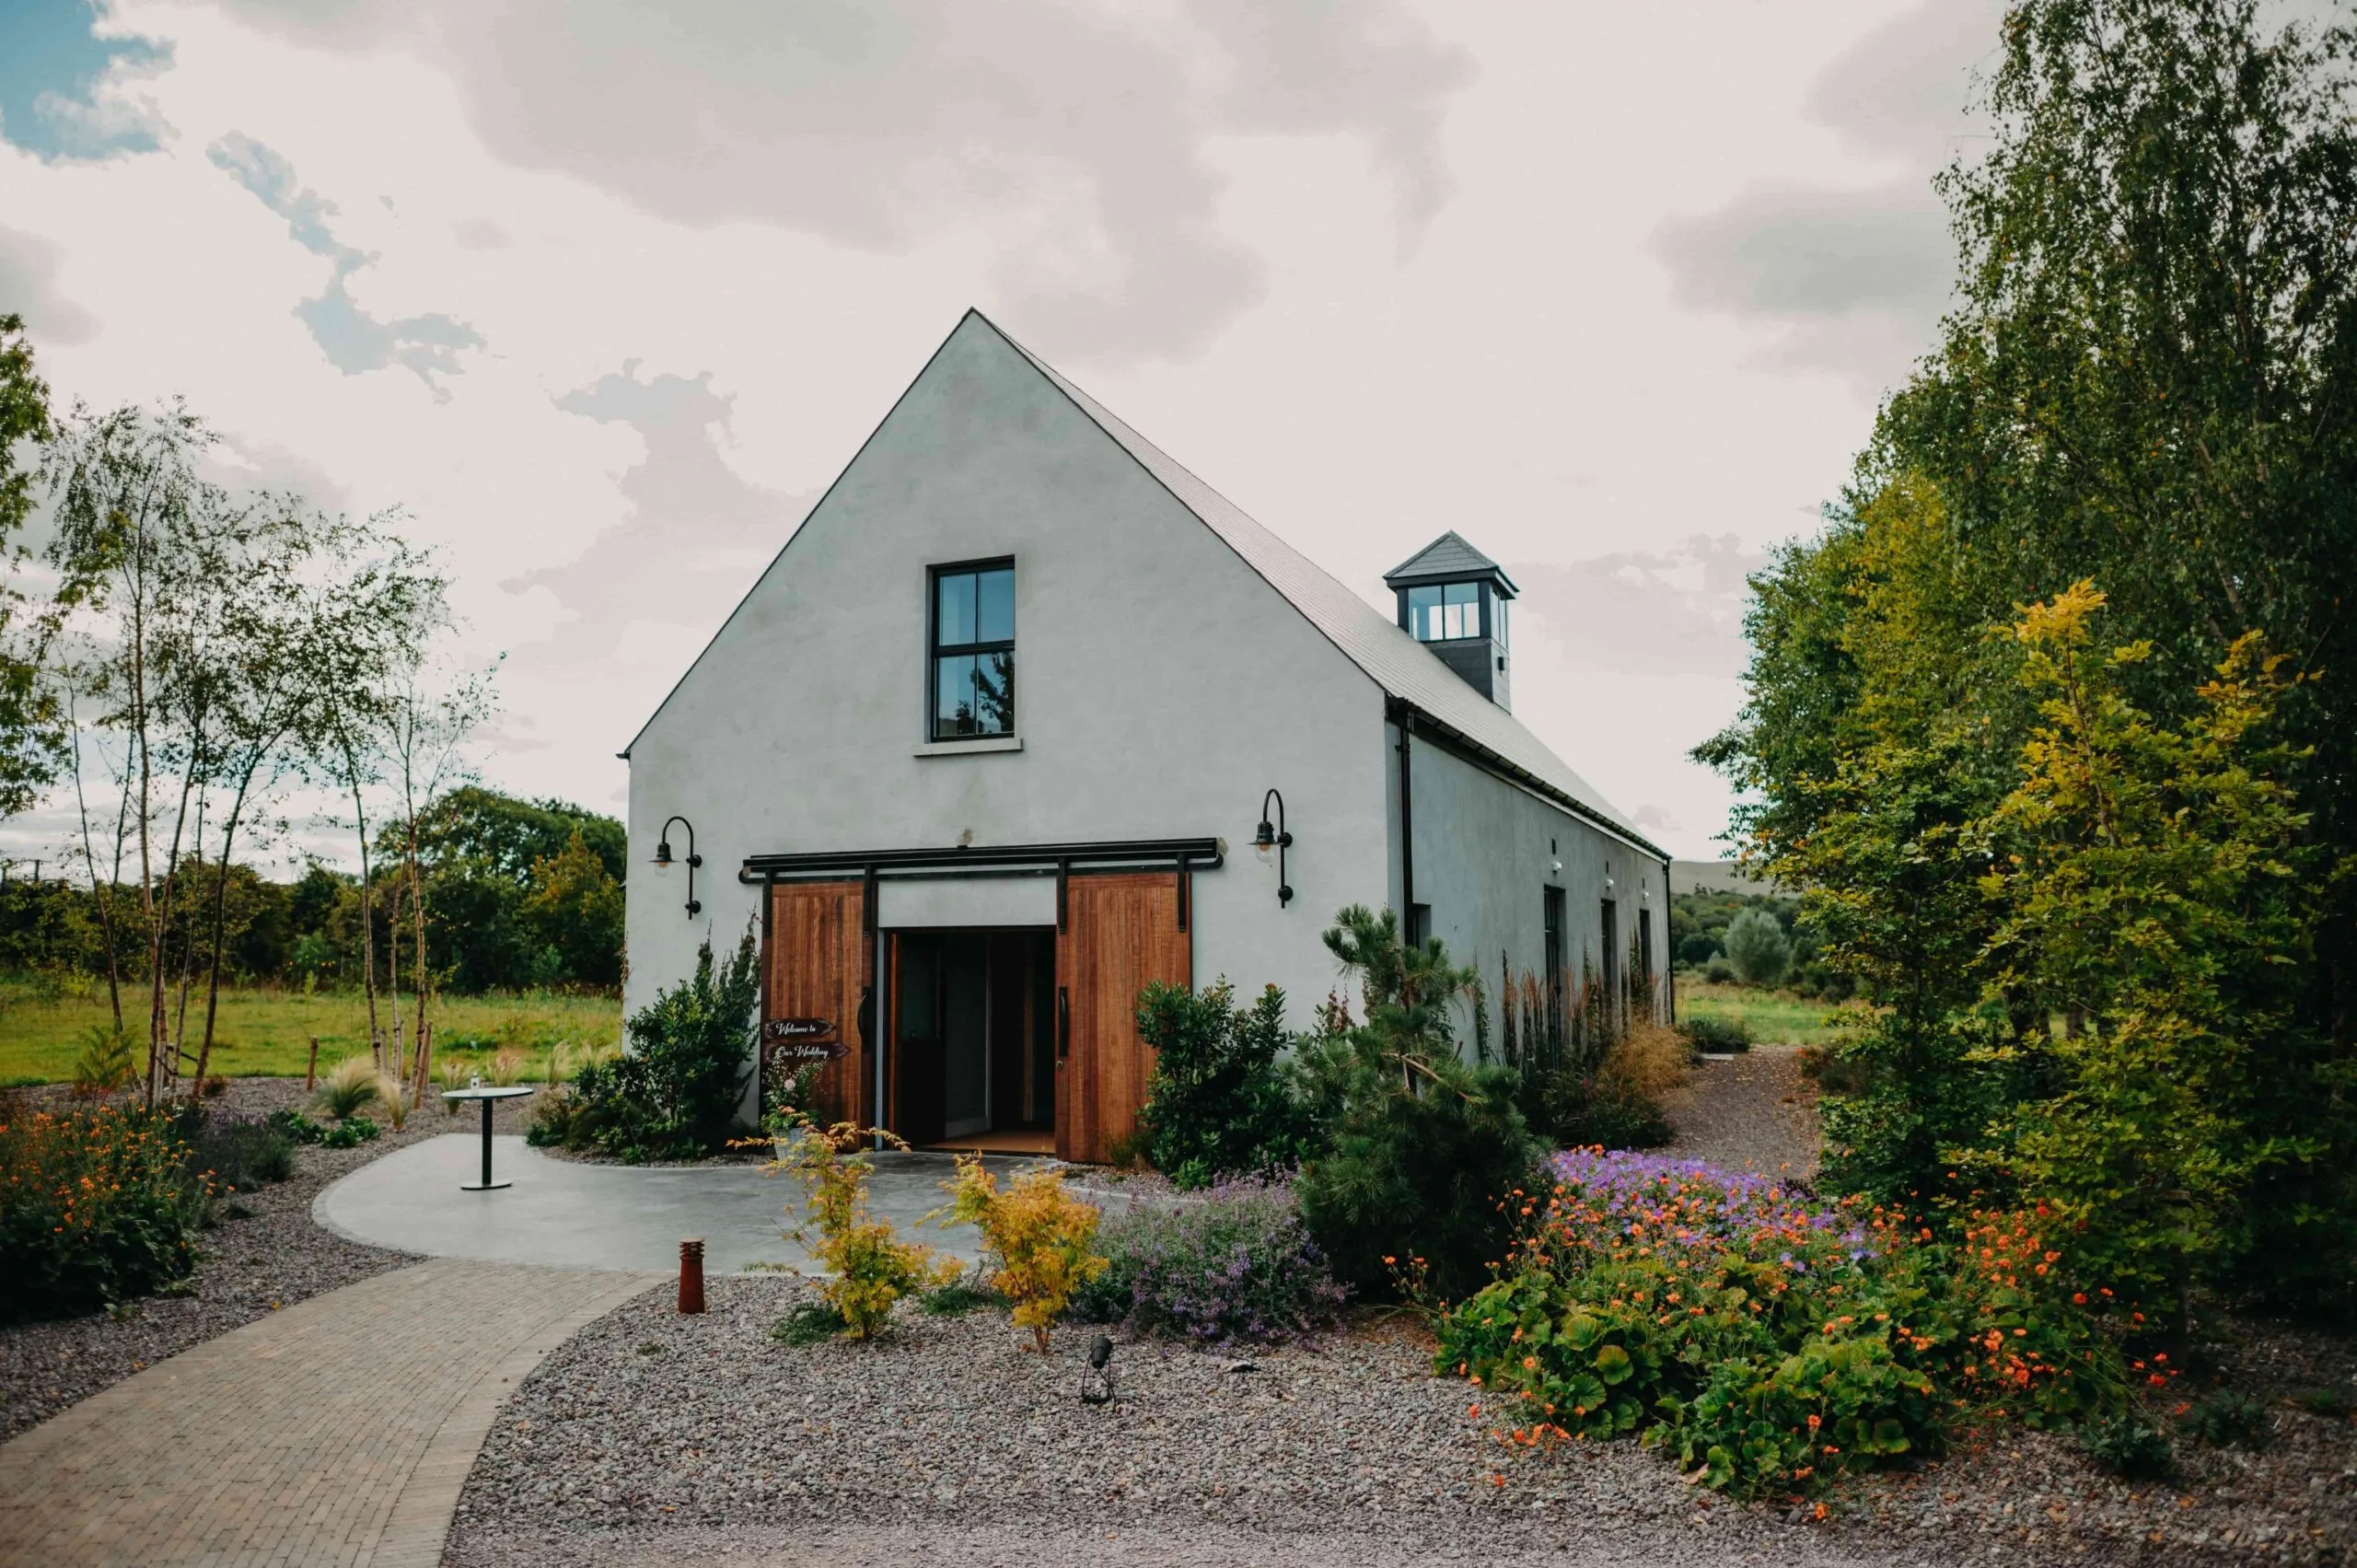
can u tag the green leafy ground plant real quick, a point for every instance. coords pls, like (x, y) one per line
(98, 1206)
(1767, 1341)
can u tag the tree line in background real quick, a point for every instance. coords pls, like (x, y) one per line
(2054, 726)
(520, 895)
(181, 661)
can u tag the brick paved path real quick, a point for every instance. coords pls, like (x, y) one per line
(337, 1432)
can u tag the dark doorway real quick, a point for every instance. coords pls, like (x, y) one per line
(1611, 958)
(1551, 903)
(973, 1050)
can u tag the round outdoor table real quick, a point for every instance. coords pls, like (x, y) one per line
(486, 1093)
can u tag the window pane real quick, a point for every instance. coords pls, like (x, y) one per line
(952, 695)
(1498, 619)
(956, 617)
(1423, 614)
(1460, 614)
(995, 606)
(994, 693)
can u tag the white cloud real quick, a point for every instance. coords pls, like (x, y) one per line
(1850, 277)
(29, 287)
(1073, 137)
(1403, 254)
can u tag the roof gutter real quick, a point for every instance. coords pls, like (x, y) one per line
(1396, 708)
(1196, 854)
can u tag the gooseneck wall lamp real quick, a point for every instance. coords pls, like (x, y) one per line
(662, 857)
(1273, 836)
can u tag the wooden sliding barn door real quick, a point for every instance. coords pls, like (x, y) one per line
(819, 972)
(1121, 930)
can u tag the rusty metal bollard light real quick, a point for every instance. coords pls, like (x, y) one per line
(691, 1276)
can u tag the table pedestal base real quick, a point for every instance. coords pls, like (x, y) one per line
(483, 1186)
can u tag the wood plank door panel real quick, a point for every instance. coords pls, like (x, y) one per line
(1121, 930)
(818, 967)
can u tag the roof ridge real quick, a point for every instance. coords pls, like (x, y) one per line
(1398, 665)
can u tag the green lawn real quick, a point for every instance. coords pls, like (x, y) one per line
(265, 1032)
(1776, 1017)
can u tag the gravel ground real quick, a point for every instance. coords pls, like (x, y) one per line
(251, 1267)
(1753, 1112)
(656, 1438)
(668, 1437)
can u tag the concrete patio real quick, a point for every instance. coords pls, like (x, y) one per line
(570, 1213)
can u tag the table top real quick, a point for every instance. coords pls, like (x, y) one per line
(490, 1091)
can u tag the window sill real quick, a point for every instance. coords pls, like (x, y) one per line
(966, 747)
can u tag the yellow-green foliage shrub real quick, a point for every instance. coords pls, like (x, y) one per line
(870, 1268)
(1040, 1233)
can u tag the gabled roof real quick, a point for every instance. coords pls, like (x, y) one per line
(1403, 667)
(1406, 671)
(1448, 558)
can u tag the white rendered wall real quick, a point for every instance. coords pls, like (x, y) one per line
(1486, 847)
(1161, 685)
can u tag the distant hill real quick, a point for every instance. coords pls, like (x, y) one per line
(1716, 876)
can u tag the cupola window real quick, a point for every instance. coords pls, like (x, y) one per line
(1453, 599)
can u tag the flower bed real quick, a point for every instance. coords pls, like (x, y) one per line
(96, 1207)
(1768, 1340)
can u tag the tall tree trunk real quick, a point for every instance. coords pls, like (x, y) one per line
(158, 952)
(146, 860)
(188, 950)
(368, 922)
(424, 981)
(102, 897)
(220, 925)
(393, 968)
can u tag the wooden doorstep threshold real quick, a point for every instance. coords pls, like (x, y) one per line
(995, 1143)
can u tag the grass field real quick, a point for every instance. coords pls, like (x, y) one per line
(266, 1033)
(1775, 1017)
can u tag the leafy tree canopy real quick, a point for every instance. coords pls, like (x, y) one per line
(509, 835)
(2143, 402)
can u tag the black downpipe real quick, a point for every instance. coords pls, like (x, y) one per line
(1406, 828)
(1669, 956)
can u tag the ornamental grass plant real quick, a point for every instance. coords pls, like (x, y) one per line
(1768, 1340)
(355, 1085)
(98, 1206)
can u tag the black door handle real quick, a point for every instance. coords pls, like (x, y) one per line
(1064, 1022)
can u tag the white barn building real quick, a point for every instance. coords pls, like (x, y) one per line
(988, 744)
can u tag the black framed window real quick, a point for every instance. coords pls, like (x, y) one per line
(1445, 612)
(1551, 903)
(1642, 984)
(970, 664)
(1611, 955)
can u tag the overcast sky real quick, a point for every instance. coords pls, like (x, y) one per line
(606, 293)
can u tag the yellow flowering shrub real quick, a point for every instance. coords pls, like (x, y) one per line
(1038, 1234)
(868, 1267)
